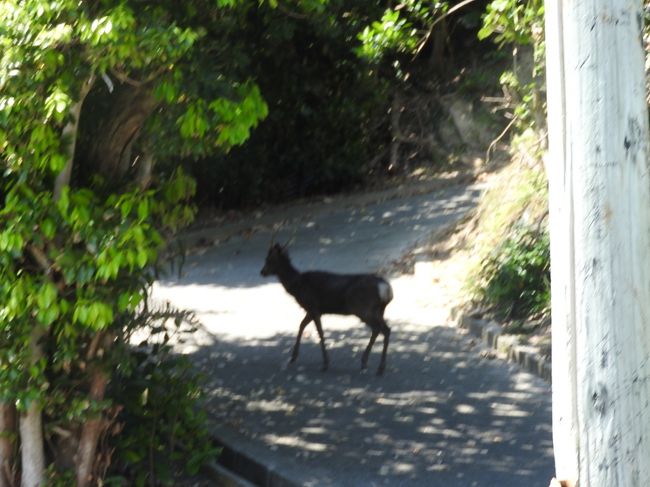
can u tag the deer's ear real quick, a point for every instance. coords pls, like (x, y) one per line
(286, 245)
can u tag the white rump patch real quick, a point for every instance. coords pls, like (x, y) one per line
(385, 291)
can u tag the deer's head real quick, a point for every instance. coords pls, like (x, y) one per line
(276, 260)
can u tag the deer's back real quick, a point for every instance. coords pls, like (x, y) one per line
(330, 293)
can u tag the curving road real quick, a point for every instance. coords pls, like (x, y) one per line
(441, 415)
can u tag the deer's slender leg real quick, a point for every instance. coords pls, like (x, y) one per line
(296, 347)
(319, 328)
(385, 330)
(364, 357)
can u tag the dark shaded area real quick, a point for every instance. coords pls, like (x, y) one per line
(326, 109)
(329, 124)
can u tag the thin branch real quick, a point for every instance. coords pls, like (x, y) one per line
(8, 427)
(71, 128)
(145, 171)
(40, 258)
(455, 8)
(125, 78)
(94, 345)
(499, 137)
(292, 14)
(45, 264)
(109, 82)
(152, 470)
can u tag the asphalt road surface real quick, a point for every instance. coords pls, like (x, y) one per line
(443, 414)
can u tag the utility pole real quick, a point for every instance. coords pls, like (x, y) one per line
(599, 198)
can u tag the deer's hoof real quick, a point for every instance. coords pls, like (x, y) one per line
(380, 371)
(324, 368)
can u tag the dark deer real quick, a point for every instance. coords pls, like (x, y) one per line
(363, 295)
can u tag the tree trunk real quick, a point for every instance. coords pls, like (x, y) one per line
(395, 114)
(90, 432)
(31, 427)
(31, 436)
(93, 427)
(599, 196)
(440, 38)
(70, 132)
(31, 423)
(7, 442)
(110, 143)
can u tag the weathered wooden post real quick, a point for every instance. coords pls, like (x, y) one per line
(599, 190)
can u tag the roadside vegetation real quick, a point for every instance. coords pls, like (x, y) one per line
(510, 275)
(119, 119)
(509, 272)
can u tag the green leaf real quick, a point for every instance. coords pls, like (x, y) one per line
(57, 104)
(132, 456)
(142, 258)
(143, 209)
(48, 228)
(125, 207)
(57, 162)
(47, 295)
(95, 315)
(63, 204)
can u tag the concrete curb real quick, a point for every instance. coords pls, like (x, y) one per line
(224, 477)
(236, 469)
(490, 333)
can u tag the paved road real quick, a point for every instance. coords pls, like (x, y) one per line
(441, 415)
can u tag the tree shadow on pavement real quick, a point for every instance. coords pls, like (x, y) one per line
(441, 415)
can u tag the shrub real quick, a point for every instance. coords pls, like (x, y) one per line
(515, 277)
(164, 431)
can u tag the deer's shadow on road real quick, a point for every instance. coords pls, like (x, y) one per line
(441, 415)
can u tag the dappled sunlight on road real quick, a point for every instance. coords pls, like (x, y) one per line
(440, 411)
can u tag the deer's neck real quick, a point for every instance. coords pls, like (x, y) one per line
(289, 278)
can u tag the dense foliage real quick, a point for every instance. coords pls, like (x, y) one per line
(326, 107)
(93, 98)
(330, 77)
(519, 26)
